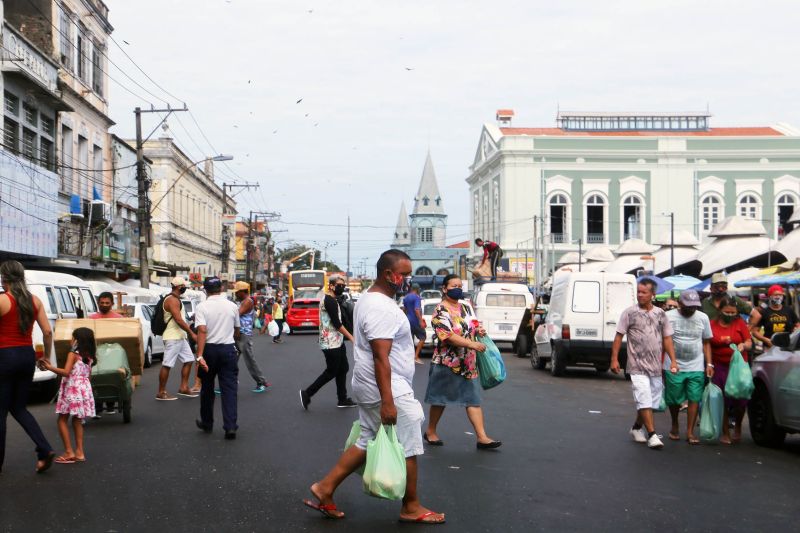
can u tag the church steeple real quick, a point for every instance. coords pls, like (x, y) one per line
(402, 233)
(428, 201)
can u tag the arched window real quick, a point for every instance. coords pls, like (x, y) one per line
(784, 207)
(749, 206)
(442, 272)
(424, 271)
(558, 218)
(711, 207)
(425, 200)
(632, 218)
(595, 219)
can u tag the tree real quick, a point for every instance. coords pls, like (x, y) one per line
(304, 263)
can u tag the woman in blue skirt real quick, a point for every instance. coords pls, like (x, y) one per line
(453, 372)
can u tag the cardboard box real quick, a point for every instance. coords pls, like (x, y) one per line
(126, 331)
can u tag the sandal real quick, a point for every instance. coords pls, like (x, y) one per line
(674, 436)
(327, 509)
(424, 518)
(693, 440)
(63, 460)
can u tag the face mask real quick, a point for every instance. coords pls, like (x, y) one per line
(727, 318)
(338, 290)
(396, 282)
(183, 289)
(687, 311)
(455, 294)
(776, 300)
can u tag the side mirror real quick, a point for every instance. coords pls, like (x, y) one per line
(781, 340)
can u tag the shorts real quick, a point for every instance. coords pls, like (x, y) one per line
(419, 332)
(683, 386)
(408, 428)
(177, 351)
(646, 391)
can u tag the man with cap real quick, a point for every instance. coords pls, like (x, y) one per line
(719, 288)
(245, 342)
(692, 340)
(776, 318)
(218, 322)
(176, 347)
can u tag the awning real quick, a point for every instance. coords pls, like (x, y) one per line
(789, 246)
(726, 253)
(683, 254)
(625, 264)
(791, 279)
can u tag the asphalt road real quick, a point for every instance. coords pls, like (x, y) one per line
(561, 467)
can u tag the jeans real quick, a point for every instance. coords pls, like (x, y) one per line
(16, 372)
(245, 346)
(222, 363)
(494, 260)
(280, 322)
(336, 367)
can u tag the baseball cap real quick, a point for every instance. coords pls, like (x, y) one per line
(719, 277)
(775, 289)
(241, 286)
(689, 298)
(212, 282)
(178, 281)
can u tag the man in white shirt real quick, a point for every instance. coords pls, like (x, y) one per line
(217, 321)
(383, 354)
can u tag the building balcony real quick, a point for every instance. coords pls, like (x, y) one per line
(558, 238)
(595, 238)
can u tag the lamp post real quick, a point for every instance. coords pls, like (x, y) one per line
(580, 254)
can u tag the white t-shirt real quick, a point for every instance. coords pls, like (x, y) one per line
(688, 340)
(219, 315)
(377, 316)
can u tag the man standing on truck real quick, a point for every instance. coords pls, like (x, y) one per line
(176, 347)
(649, 335)
(492, 252)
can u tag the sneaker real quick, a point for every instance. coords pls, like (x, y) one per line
(277, 341)
(305, 399)
(638, 435)
(261, 388)
(111, 411)
(654, 443)
(347, 402)
(188, 394)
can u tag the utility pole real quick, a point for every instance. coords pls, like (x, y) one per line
(143, 185)
(249, 249)
(535, 253)
(347, 272)
(226, 241)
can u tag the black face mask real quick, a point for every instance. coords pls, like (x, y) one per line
(183, 289)
(687, 311)
(338, 290)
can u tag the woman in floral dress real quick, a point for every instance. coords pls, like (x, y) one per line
(453, 371)
(75, 397)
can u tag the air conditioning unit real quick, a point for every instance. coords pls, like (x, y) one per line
(100, 213)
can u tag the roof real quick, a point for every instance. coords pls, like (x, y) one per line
(680, 237)
(635, 247)
(428, 188)
(599, 253)
(757, 131)
(729, 252)
(462, 244)
(402, 232)
(737, 226)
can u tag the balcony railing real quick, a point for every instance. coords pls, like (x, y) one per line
(595, 238)
(558, 238)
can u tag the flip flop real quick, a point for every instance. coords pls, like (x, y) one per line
(693, 441)
(422, 519)
(673, 436)
(327, 509)
(80, 460)
(64, 460)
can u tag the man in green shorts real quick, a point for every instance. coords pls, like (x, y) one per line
(692, 340)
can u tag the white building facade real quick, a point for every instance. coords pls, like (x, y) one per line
(603, 178)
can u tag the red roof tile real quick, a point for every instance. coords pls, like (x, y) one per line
(462, 244)
(713, 132)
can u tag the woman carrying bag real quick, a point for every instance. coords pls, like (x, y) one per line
(453, 371)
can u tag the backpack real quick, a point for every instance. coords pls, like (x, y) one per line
(157, 323)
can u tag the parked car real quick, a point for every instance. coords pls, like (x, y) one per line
(428, 305)
(303, 313)
(581, 322)
(430, 293)
(500, 307)
(153, 344)
(774, 408)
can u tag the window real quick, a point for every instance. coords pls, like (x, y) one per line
(428, 309)
(48, 127)
(442, 272)
(47, 154)
(84, 46)
(424, 271)
(505, 300)
(67, 305)
(29, 144)
(91, 307)
(10, 135)
(595, 219)
(632, 218)
(748, 206)
(11, 103)
(66, 160)
(83, 163)
(586, 297)
(31, 114)
(65, 42)
(97, 175)
(711, 208)
(558, 218)
(425, 200)
(52, 300)
(97, 71)
(785, 206)
(425, 234)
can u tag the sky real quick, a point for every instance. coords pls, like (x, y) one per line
(332, 106)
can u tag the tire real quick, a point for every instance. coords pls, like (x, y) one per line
(522, 345)
(763, 429)
(557, 361)
(148, 355)
(126, 411)
(537, 362)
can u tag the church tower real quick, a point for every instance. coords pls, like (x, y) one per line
(428, 219)
(402, 232)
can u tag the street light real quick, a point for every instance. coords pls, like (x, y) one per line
(221, 157)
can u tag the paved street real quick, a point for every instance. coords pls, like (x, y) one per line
(561, 467)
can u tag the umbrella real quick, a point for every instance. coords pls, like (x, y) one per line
(662, 285)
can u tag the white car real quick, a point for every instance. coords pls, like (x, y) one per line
(428, 305)
(154, 344)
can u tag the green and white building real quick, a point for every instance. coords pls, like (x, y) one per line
(603, 178)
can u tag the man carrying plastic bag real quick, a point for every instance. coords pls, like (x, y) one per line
(383, 355)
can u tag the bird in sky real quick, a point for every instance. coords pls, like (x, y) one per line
(300, 100)
(316, 124)
(274, 132)
(126, 42)
(409, 68)
(308, 114)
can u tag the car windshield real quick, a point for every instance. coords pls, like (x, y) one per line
(428, 310)
(304, 294)
(431, 293)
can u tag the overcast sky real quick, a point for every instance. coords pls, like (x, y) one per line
(383, 81)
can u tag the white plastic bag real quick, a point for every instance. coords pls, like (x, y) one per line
(272, 329)
(285, 328)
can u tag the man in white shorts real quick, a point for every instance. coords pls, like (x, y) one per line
(649, 335)
(383, 354)
(176, 347)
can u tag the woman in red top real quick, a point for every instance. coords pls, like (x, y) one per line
(729, 328)
(18, 311)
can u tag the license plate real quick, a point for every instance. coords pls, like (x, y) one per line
(585, 332)
(308, 324)
(505, 327)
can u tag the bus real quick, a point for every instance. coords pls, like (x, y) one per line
(306, 284)
(305, 293)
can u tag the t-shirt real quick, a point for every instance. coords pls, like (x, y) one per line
(711, 310)
(688, 334)
(412, 303)
(736, 332)
(111, 314)
(781, 321)
(220, 316)
(378, 317)
(646, 331)
(173, 331)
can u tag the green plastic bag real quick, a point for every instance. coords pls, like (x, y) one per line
(662, 406)
(491, 368)
(739, 384)
(355, 432)
(385, 471)
(711, 413)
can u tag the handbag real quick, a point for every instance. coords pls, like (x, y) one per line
(491, 368)
(739, 384)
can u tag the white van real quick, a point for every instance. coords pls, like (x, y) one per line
(500, 307)
(582, 319)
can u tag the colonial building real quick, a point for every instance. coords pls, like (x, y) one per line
(186, 210)
(603, 178)
(422, 235)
